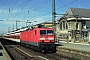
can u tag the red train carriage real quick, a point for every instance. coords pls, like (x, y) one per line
(41, 39)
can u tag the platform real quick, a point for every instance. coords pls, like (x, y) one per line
(3, 53)
(76, 46)
(77, 51)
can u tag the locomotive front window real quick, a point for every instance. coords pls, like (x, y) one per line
(46, 32)
(50, 32)
(42, 32)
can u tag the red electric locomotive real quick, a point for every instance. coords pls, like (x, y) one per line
(41, 39)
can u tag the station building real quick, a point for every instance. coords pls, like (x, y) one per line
(72, 26)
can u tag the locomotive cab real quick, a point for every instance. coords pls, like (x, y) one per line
(46, 36)
(46, 42)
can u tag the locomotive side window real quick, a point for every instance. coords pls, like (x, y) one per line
(42, 32)
(35, 32)
(49, 32)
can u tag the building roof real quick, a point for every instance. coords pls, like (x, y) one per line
(47, 22)
(78, 11)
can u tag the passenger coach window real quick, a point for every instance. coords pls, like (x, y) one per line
(42, 32)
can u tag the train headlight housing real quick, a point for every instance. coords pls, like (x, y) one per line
(42, 38)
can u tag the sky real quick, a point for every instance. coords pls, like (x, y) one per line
(33, 10)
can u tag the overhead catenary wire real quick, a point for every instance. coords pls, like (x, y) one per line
(3, 3)
(56, 9)
(15, 4)
(61, 2)
(20, 10)
(12, 7)
(20, 5)
(47, 12)
(40, 6)
(67, 4)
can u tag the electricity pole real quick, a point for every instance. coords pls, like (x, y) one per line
(13, 27)
(8, 29)
(53, 18)
(16, 24)
(53, 13)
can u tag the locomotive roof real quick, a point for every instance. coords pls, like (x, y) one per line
(43, 28)
(38, 28)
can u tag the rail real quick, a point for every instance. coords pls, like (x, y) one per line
(72, 53)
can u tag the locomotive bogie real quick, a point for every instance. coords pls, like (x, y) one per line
(47, 47)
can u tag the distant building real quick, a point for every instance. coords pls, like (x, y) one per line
(73, 25)
(45, 24)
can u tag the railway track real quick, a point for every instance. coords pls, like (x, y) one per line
(19, 52)
(30, 54)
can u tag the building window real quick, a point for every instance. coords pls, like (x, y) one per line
(61, 26)
(66, 26)
(83, 24)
